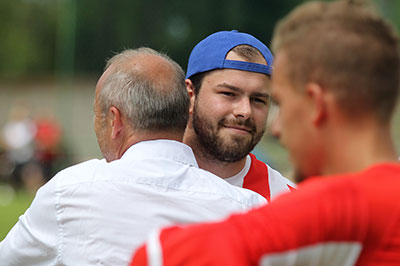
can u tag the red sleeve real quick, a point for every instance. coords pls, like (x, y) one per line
(140, 257)
(308, 216)
(296, 220)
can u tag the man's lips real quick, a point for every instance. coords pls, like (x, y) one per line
(240, 128)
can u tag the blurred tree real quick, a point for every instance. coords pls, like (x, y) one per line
(65, 37)
(28, 30)
(391, 10)
(172, 26)
(47, 36)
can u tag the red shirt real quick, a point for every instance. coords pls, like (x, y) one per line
(351, 219)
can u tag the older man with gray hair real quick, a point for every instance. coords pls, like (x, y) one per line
(97, 212)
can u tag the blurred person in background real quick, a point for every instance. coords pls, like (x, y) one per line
(48, 143)
(229, 80)
(97, 212)
(336, 81)
(18, 141)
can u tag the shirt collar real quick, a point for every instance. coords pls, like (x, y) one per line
(171, 149)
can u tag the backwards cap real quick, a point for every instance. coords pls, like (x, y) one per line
(210, 53)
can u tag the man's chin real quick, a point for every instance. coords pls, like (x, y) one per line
(230, 138)
(235, 145)
(300, 176)
(231, 158)
(233, 152)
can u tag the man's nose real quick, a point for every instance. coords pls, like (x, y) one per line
(242, 108)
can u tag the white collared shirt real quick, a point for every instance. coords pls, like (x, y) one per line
(97, 213)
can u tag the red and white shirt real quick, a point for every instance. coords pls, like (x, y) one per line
(351, 219)
(261, 178)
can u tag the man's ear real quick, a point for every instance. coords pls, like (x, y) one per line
(317, 96)
(116, 122)
(190, 89)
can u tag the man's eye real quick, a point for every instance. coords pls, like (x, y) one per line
(262, 100)
(227, 93)
(259, 100)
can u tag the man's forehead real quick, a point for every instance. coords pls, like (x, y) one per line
(235, 74)
(104, 75)
(101, 80)
(277, 75)
(280, 66)
(243, 81)
(232, 55)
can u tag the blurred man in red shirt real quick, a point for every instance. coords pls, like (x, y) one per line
(336, 81)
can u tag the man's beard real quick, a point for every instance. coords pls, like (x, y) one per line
(229, 148)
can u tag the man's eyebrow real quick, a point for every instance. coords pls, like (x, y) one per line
(226, 85)
(273, 98)
(237, 89)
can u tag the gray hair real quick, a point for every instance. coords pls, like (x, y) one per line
(147, 102)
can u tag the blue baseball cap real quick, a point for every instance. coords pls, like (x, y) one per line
(210, 53)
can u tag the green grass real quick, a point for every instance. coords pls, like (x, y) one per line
(12, 205)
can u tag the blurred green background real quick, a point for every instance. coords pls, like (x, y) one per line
(53, 51)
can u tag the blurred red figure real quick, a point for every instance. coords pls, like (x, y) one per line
(47, 141)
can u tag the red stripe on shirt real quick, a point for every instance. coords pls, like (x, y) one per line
(257, 178)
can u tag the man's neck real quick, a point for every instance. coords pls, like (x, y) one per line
(356, 150)
(221, 169)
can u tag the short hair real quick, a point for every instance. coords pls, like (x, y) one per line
(249, 53)
(150, 104)
(347, 48)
